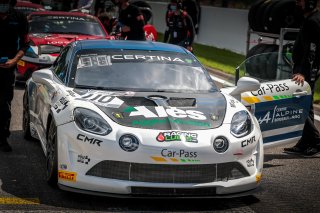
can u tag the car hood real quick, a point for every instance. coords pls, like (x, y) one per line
(58, 39)
(165, 111)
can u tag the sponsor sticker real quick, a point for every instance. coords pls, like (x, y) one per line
(250, 162)
(177, 136)
(178, 153)
(83, 159)
(249, 141)
(68, 176)
(89, 140)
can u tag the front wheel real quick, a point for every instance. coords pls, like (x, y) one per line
(26, 118)
(52, 155)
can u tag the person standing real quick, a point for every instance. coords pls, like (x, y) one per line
(130, 21)
(180, 29)
(13, 44)
(306, 59)
(84, 4)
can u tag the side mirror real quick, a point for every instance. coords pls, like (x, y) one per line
(42, 76)
(245, 84)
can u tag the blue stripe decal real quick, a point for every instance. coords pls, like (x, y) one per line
(282, 136)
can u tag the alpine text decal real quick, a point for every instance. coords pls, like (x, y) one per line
(280, 114)
(177, 136)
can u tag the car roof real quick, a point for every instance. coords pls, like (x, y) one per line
(28, 4)
(61, 13)
(129, 45)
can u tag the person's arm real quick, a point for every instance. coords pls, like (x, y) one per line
(300, 55)
(23, 43)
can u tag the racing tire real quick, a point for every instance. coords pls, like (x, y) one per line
(252, 15)
(145, 9)
(26, 118)
(52, 155)
(284, 15)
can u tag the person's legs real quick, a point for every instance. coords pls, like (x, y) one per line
(6, 95)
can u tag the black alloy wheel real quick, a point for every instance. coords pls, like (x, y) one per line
(26, 118)
(52, 155)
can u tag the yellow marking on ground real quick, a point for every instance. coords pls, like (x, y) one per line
(158, 159)
(268, 98)
(258, 178)
(251, 100)
(19, 201)
(174, 159)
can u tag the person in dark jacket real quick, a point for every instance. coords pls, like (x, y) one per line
(180, 29)
(13, 45)
(306, 59)
(130, 21)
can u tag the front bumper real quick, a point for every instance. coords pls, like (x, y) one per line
(79, 157)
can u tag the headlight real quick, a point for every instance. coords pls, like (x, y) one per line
(49, 49)
(30, 53)
(241, 124)
(90, 121)
(128, 143)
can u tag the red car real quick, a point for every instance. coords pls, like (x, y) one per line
(50, 31)
(27, 7)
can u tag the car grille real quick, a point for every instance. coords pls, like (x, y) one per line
(143, 191)
(162, 173)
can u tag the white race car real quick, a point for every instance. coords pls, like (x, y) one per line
(145, 119)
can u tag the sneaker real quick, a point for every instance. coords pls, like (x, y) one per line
(294, 150)
(5, 147)
(311, 152)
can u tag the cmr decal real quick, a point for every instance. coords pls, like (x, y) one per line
(271, 88)
(181, 153)
(161, 112)
(177, 136)
(248, 141)
(86, 139)
(68, 176)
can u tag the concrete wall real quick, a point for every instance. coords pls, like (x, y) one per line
(220, 27)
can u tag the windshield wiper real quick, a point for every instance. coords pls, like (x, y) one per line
(100, 88)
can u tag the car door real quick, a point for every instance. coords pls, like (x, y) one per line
(280, 105)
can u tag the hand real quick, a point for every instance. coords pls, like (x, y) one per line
(125, 29)
(298, 78)
(10, 63)
(190, 48)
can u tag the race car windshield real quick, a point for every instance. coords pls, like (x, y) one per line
(141, 71)
(65, 25)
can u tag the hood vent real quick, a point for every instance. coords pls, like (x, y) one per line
(182, 102)
(138, 101)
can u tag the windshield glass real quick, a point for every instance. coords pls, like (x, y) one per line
(141, 71)
(65, 25)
